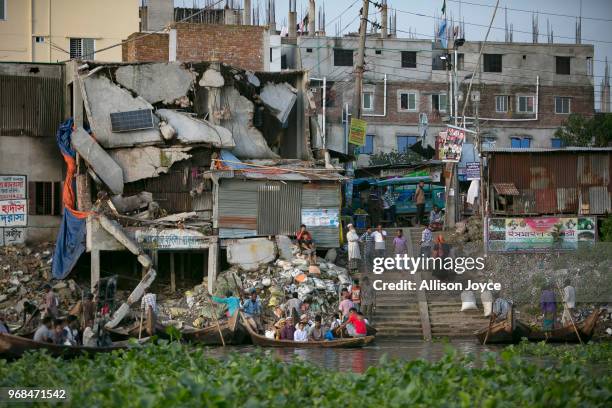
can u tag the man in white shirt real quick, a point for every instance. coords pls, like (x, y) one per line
(149, 299)
(300, 334)
(569, 302)
(379, 242)
(44, 333)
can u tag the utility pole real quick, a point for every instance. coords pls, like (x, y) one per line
(359, 66)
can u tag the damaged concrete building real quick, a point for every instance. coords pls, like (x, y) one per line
(186, 161)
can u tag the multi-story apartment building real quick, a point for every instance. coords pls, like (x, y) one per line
(59, 30)
(522, 92)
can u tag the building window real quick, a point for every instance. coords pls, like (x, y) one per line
(562, 105)
(404, 143)
(368, 148)
(437, 63)
(492, 63)
(343, 58)
(525, 104)
(44, 198)
(39, 39)
(82, 48)
(270, 54)
(488, 142)
(460, 61)
(308, 49)
(501, 103)
(378, 52)
(438, 102)
(556, 143)
(2, 9)
(367, 100)
(520, 142)
(409, 59)
(563, 65)
(407, 101)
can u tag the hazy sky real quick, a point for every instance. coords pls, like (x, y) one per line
(595, 32)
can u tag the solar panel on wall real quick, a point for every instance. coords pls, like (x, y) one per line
(132, 120)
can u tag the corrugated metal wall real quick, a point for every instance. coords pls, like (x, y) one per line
(325, 195)
(556, 182)
(238, 204)
(279, 208)
(30, 105)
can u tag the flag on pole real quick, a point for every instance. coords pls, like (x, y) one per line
(442, 29)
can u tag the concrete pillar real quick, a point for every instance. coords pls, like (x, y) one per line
(292, 24)
(95, 267)
(213, 264)
(172, 45)
(311, 17)
(384, 19)
(246, 13)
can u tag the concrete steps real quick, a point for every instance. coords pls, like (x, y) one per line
(396, 312)
(447, 319)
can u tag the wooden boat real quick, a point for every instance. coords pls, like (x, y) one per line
(349, 342)
(12, 346)
(567, 334)
(508, 331)
(150, 327)
(233, 332)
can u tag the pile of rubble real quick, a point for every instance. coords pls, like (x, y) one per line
(24, 270)
(469, 230)
(317, 286)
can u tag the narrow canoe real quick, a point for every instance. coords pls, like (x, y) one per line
(233, 332)
(508, 331)
(12, 346)
(567, 334)
(263, 341)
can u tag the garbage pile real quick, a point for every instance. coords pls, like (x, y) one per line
(469, 230)
(317, 286)
(24, 270)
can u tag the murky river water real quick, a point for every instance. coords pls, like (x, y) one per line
(358, 360)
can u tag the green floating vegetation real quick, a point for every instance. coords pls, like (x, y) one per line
(174, 375)
(592, 353)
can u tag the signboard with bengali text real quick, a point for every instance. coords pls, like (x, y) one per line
(320, 217)
(12, 187)
(357, 133)
(13, 213)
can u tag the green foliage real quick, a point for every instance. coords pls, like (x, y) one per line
(592, 353)
(395, 157)
(586, 132)
(606, 229)
(171, 374)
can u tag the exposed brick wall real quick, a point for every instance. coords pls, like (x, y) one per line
(150, 48)
(237, 45)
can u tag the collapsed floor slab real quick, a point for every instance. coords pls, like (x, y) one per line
(191, 130)
(160, 82)
(145, 162)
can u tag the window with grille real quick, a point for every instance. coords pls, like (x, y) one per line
(563, 65)
(409, 59)
(501, 103)
(438, 102)
(44, 198)
(525, 104)
(82, 48)
(343, 58)
(562, 105)
(408, 101)
(492, 63)
(367, 100)
(520, 142)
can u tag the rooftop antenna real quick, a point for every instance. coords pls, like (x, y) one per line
(511, 32)
(506, 33)
(534, 28)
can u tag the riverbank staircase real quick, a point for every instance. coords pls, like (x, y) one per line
(409, 314)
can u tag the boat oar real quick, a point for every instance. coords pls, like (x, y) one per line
(140, 328)
(570, 313)
(214, 307)
(488, 329)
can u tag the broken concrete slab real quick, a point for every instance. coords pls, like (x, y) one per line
(178, 217)
(279, 98)
(250, 253)
(146, 162)
(132, 203)
(136, 294)
(253, 80)
(212, 79)
(284, 247)
(250, 143)
(192, 130)
(104, 97)
(158, 82)
(103, 165)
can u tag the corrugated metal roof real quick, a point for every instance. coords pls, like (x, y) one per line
(545, 149)
(506, 188)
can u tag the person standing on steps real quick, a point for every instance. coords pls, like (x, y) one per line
(419, 199)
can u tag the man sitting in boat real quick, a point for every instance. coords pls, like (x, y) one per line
(252, 307)
(500, 309)
(287, 330)
(44, 333)
(71, 330)
(317, 331)
(300, 334)
(3, 326)
(355, 326)
(232, 302)
(59, 337)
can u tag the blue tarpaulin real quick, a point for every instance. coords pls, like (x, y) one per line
(70, 243)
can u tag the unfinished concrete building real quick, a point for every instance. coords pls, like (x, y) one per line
(185, 160)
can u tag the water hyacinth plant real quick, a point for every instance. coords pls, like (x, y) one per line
(172, 374)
